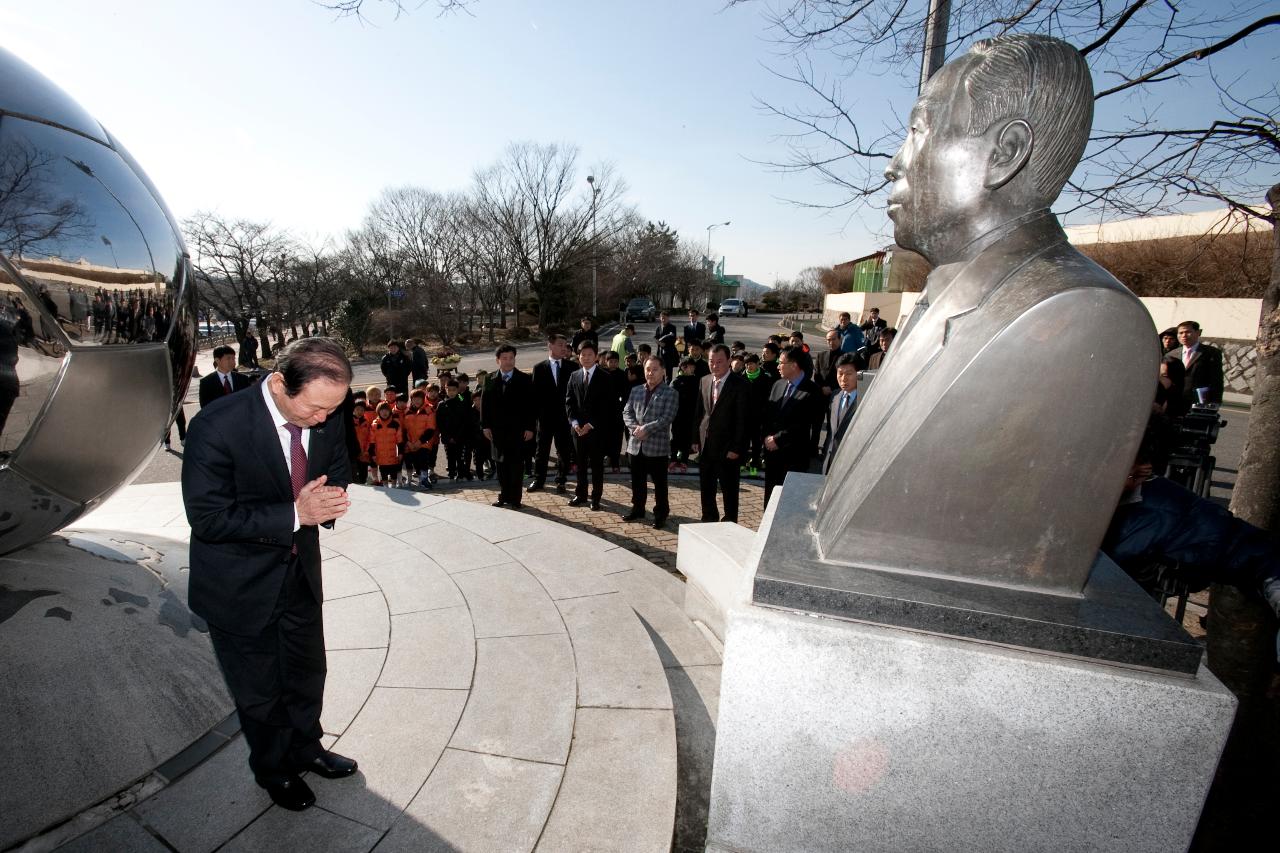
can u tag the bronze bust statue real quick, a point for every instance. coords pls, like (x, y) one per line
(993, 445)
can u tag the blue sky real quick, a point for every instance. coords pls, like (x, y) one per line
(275, 110)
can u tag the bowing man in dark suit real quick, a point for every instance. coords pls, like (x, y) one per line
(843, 403)
(720, 437)
(262, 469)
(507, 418)
(223, 380)
(589, 405)
(794, 404)
(550, 383)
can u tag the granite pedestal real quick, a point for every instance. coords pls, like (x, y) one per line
(839, 734)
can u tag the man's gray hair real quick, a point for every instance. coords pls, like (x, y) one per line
(1044, 81)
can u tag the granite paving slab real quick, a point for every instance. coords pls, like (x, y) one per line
(397, 738)
(619, 786)
(281, 831)
(522, 699)
(507, 601)
(455, 548)
(365, 545)
(616, 662)
(209, 805)
(481, 803)
(120, 833)
(564, 569)
(358, 622)
(403, 498)
(435, 648)
(414, 584)
(344, 578)
(351, 678)
(495, 525)
(386, 517)
(682, 644)
(623, 560)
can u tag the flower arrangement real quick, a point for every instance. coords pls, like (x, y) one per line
(444, 357)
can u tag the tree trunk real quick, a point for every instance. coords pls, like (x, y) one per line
(264, 338)
(1242, 629)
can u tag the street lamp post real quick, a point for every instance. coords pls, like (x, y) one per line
(595, 191)
(710, 264)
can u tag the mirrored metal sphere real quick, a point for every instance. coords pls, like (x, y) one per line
(97, 310)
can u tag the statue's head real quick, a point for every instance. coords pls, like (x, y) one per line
(995, 134)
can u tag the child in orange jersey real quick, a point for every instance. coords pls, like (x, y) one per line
(387, 438)
(364, 438)
(372, 398)
(419, 432)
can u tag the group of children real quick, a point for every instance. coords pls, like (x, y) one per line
(398, 441)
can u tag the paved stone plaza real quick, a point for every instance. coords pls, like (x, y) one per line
(507, 681)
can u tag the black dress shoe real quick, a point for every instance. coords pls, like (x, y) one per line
(659, 522)
(499, 504)
(634, 515)
(733, 520)
(595, 505)
(330, 765)
(535, 487)
(577, 501)
(292, 794)
(561, 488)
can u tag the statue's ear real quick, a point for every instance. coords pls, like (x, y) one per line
(1010, 152)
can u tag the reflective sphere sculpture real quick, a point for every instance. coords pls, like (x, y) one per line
(97, 319)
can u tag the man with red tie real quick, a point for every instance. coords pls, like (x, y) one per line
(262, 471)
(224, 380)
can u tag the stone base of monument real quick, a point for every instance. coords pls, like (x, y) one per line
(838, 734)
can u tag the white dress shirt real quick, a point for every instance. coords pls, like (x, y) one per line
(282, 434)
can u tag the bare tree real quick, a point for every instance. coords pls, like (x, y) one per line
(396, 8)
(552, 220)
(240, 268)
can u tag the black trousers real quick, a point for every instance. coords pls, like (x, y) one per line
(277, 680)
(590, 454)
(508, 464)
(723, 473)
(559, 433)
(642, 469)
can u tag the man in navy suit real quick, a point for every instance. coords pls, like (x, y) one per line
(224, 379)
(550, 382)
(843, 403)
(794, 404)
(262, 470)
(589, 406)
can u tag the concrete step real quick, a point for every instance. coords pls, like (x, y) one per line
(504, 681)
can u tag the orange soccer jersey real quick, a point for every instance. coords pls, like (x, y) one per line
(387, 438)
(416, 423)
(364, 438)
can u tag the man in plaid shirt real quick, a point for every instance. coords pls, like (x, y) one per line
(648, 415)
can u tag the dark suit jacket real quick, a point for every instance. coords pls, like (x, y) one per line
(1205, 371)
(824, 368)
(508, 411)
(836, 426)
(550, 392)
(791, 423)
(665, 335)
(722, 429)
(694, 332)
(239, 500)
(595, 403)
(211, 386)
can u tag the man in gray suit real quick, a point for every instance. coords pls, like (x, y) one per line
(960, 453)
(648, 415)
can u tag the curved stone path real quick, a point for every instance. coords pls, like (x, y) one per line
(502, 679)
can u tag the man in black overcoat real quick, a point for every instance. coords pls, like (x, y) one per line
(508, 415)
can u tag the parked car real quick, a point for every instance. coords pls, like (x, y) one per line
(639, 310)
(733, 307)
